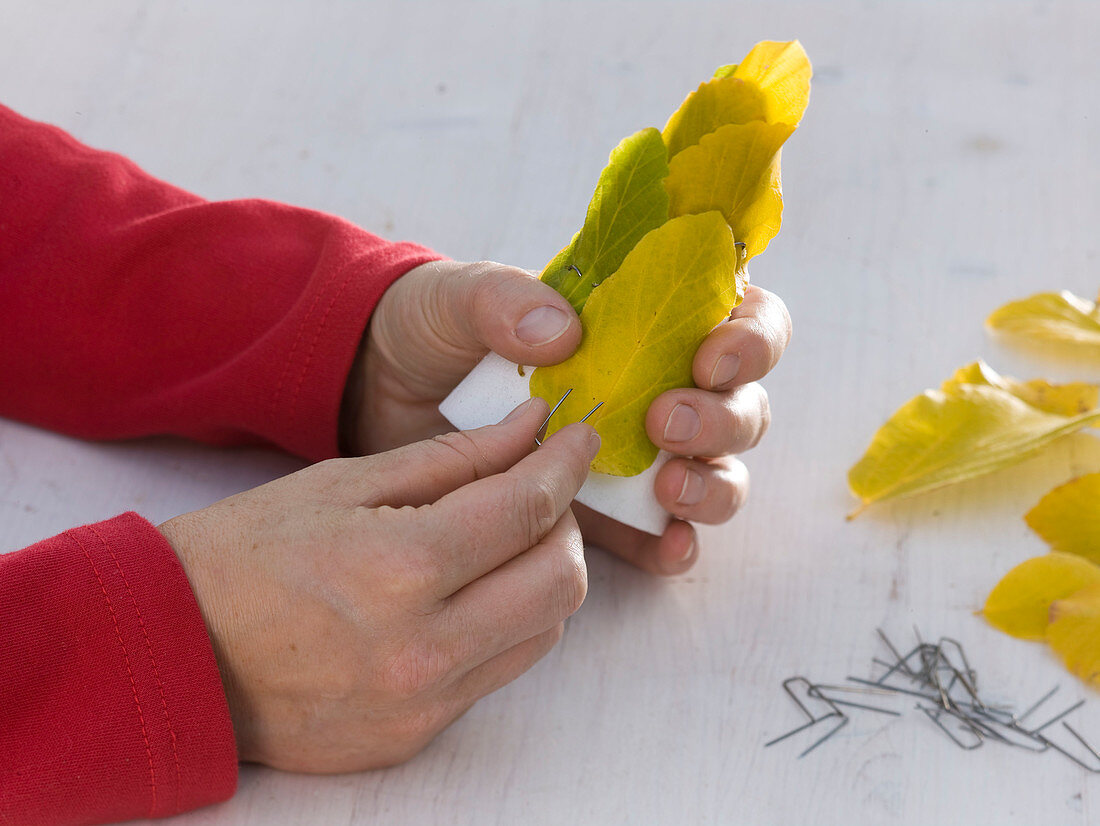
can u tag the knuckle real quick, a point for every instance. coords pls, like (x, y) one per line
(758, 330)
(571, 582)
(485, 279)
(731, 503)
(786, 324)
(411, 732)
(403, 568)
(413, 585)
(751, 417)
(478, 282)
(415, 670)
(479, 269)
(765, 417)
(775, 310)
(742, 494)
(460, 445)
(771, 332)
(538, 505)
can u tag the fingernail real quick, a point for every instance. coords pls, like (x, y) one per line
(683, 424)
(593, 445)
(542, 325)
(725, 370)
(693, 489)
(515, 414)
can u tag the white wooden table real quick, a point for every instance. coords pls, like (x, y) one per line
(948, 163)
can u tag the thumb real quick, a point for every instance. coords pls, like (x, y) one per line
(505, 309)
(423, 472)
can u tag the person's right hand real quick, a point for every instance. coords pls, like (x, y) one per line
(359, 606)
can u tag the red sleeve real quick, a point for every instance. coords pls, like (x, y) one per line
(111, 706)
(129, 307)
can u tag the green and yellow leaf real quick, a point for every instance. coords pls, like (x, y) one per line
(734, 170)
(641, 329)
(640, 272)
(1053, 318)
(1020, 604)
(1068, 518)
(940, 438)
(629, 201)
(1074, 632)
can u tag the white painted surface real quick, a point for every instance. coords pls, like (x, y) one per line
(494, 387)
(948, 162)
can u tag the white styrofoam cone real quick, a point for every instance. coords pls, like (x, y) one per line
(495, 387)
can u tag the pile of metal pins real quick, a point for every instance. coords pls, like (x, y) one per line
(940, 676)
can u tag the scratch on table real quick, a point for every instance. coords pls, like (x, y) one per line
(898, 580)
(888, 792)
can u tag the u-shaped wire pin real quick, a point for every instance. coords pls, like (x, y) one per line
(540, 434)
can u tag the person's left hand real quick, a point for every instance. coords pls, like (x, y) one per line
(437, 321)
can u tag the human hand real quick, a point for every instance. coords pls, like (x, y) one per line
(359, 606)
(436, 322)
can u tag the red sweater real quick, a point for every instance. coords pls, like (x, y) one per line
(129, 307)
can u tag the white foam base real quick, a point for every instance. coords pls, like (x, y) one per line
(494, 388)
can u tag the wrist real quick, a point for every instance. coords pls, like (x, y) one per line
(192, 550)
(351, 404)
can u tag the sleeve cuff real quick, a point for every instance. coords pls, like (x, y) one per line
(114, 706)
(331, 325)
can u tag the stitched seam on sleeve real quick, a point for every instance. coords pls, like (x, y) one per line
(129, 670)
(290, 356)
(152, 660)
(317, 337)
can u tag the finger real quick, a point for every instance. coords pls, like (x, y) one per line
(745, 347)
(424, 471)
(693, 422)
(502, 308)
(709, 492)
(482, 525)
(522, 598)
(671, 553)
(508, 665)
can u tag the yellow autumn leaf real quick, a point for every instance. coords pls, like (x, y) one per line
(1074, 632)
(1068, 518)
(771, 84)
(1020, 603)
(783, 72)
(1058, 318)
(939, 438)
(642, 326)
(718, 102)
(734, 170)
(1064, 399)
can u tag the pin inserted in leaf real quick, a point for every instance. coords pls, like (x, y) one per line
(659, 260)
